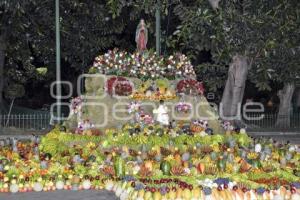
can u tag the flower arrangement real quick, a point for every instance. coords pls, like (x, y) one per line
(199, 125)
(76, 105)
(227, 126)
(118, 86)
(154, 90)
(140, 115)
(190, 87)
(144, 118)
(144, 66)
(134, 107)
(183, 107)
(84, 126)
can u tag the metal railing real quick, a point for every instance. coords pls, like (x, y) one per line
(268, 122)
(26, 122)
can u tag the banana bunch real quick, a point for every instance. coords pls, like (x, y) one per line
(140, 139)
(91, 145)
(275, 155)
(229, 168)
(206, 140)
(66, 138)
(216, 139)
(215, 147)
(169, 158)
(285, 175)
(50, 146)
(252, 155)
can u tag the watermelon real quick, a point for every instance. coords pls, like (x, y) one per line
(119, 166)
(256, 164)
(165, 167)
(221, 164)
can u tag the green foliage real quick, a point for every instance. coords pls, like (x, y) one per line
(14, 91)
(87, 28)
(267, 32)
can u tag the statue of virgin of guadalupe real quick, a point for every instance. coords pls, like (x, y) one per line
(141, 36)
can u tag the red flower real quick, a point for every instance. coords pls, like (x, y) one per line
(190, 86)
(119, 86)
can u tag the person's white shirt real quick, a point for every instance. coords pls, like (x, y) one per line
(162, 114)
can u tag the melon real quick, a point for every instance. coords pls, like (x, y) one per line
(59, 185)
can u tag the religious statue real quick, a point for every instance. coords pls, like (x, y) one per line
(162, 114)
(141, 36)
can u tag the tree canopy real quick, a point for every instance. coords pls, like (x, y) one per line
(267, 32)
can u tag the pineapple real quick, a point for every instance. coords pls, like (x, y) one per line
(108, 171)
(177, 171)
(145, 172)
(229, 168)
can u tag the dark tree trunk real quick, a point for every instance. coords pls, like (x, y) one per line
(234, 89)
(298, 99)
(2, 58)
(285, 95)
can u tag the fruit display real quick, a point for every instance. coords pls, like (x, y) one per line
(143, 160)
(154, 90)
(151, 162)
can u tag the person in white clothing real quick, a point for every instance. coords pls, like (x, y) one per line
(161, 114)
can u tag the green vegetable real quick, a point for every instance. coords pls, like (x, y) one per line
(165, 167)
(119, 166)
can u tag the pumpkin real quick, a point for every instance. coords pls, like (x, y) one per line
(165, 167)
(119, 166)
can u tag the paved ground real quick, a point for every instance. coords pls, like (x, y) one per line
(60, 195)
